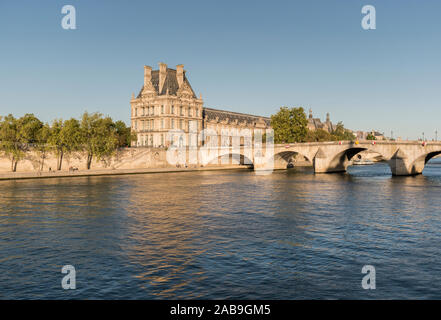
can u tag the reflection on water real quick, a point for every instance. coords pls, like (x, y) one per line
(289, 235)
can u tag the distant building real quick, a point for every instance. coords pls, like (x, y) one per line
(316, 123)
(362, 135)
(168, 104)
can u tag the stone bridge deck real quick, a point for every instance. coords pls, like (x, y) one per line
(403, 157)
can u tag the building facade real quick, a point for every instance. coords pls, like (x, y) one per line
(167, 112)
(316, 123)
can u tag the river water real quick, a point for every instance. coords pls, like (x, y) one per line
(223, 235)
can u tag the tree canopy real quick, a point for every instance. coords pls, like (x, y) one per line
(95, 134)
(289, 125)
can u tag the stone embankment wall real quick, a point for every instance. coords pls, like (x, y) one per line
(128, 158)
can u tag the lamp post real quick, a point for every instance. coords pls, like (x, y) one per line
(391, 134)
(423, 136)
(436, 135)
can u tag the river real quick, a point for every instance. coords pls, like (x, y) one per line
(223, 235)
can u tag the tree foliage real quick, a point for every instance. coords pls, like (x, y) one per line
(290, 125)
(95, 134)
(99, 136)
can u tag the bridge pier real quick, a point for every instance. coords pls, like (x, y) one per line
(404, 167)
(324, 164)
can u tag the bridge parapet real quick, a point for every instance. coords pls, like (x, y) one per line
(403, 157)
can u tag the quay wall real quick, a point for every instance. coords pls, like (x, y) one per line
(127, 158)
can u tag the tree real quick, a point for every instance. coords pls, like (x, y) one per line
(124, 134)
(98, 136)
(41, 144)
(55, 140)
(65, 138)
(9, 140)
(370, 136)
(29, 127)
(340, 133)
(18, 135)
(318, 135)
(290, 125)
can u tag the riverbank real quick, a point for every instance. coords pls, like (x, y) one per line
(109, 172)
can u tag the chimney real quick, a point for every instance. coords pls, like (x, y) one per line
(162, 75)
(180, 74)
(147, 74)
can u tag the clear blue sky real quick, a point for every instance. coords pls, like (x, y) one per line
(246, 56)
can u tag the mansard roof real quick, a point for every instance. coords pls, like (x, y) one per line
(170, 84)
(222, 115)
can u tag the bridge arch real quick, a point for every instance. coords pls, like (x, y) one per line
(230, 158)
(417, 166)
(286, 159)
(340, 161)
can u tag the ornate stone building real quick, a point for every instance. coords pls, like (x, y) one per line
(316, 123)
(167, 111)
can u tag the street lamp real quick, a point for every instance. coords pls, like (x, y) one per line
(391, 134)
(436, 135)
(423, 136)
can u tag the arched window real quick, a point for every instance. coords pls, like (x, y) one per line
(189, 111)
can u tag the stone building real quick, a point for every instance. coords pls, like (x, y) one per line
(167, 111)
(316, 123)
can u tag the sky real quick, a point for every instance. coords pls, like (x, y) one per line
(244, 56)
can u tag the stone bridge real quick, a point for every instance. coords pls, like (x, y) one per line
(403, 157)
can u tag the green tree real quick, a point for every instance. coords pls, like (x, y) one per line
(340, 133)
(318, 135)
(98, 136)
(29, 127)
(9, 140)
(290, 125)
(370, 136)
(18, 136)
(124, 134)
(65, 138)
(41, 144)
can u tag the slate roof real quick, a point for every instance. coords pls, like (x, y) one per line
(212, 114)
(171, 83)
